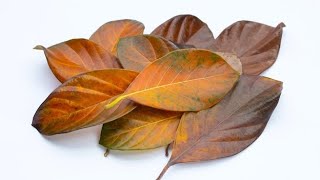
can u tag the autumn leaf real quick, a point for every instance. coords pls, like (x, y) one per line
(142, 128)
(186, 30)
(180, 87)
(110, 33)
(257, 45)
(183, 80)
(229, 127)
(77, 56)
(135, 53)
(80, 101)
(232, 60)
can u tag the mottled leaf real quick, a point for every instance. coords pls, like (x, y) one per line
(229, 127)
(80, 101)
(183, 80)
(77, 56)
(110, 33)
(257, 45)
(135, 53)
(186, 30)
(143, 128)
(232, 60)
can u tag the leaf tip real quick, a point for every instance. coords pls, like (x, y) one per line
(281, 25)
(39, 47)
(38, 126)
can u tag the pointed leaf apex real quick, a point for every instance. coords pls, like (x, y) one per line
(40, 47)
(281, 25)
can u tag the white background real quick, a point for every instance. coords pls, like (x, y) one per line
(289, 148)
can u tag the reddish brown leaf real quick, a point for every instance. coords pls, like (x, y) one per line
(257, 45)
(110, 33)
(229, 127)
(186, 30)
(80, 101)
(76, 56)
(137, 52)
(143, 128)
(183, 80)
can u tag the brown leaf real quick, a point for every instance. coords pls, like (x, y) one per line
(183, 80)
(137, 52)
(257, 45)
(232, 60)
(76, 56)
(186, 30)
(80, 101)
(229, 127)
(110, 33)
(143, 128)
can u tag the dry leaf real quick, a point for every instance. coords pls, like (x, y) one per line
(232, 60)
(183, 80)
(77, 56)
(186, 30)
(80, 101)
(257, 45)
(137, 52)
(229, 127)
(143, 128)
(190, 98)
(110, 33)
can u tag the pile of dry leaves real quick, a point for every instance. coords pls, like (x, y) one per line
(177, 86)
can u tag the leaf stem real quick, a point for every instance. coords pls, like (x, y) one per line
(106, 153)
(163, 171)
(114, 102)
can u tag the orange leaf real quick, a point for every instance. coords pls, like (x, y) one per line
(229, 127)
(76, 56)
(80, 101)
(110, 33)
(137, 52)
(143, 128)
(183, 80)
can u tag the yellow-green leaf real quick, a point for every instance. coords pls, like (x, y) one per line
(142, 128)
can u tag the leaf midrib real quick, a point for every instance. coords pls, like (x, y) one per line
(173, 84)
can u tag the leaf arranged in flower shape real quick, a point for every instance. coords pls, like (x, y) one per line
(229, 127)
(183, 80)
(110, 33)
(257, 45)
(136, 52)
(80, 102)
(186, 30)
(77, 56)
(142, 128)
